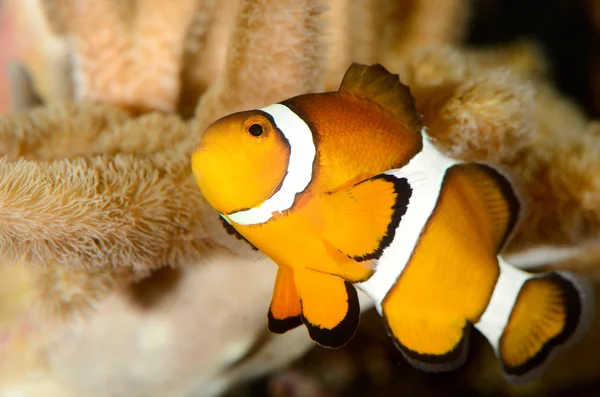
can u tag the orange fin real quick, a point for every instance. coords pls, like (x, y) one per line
(502, 205)
(377, 84)
(330, 307)
(364, 217)
(550, 312)
(433, 342)
(285, 310)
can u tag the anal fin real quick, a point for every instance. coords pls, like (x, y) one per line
(330, 307)
(430, 342)
(285, 310)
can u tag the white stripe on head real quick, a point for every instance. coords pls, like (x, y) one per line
(425, 173)
(299, 170)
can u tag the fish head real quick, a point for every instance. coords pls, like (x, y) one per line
(240, 161)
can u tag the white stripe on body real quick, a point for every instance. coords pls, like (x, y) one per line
(496, 315)
(425, 173)
(299, 171)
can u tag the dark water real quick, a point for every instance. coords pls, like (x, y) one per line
(562, 27)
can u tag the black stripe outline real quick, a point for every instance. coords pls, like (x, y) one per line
(403, 192)
(573, 311)
(281, 326)
(343, 332)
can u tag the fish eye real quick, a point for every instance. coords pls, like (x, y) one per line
(256, 127)
(256, 130)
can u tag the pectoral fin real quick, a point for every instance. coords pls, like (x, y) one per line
(364, 217)
(330, 307)
(285, 311)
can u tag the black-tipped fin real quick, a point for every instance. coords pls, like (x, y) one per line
(285, 310)
(330, 307)
(551, 312)
(364, 217)
(429, 342)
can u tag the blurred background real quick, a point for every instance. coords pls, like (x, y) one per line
(568, 31)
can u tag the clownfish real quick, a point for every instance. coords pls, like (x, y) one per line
(346, 190)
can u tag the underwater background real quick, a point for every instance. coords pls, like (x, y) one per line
(39, 358)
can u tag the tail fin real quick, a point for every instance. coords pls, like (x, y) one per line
(532, 316)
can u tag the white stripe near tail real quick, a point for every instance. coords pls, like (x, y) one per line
(531, 316)
(497, 313)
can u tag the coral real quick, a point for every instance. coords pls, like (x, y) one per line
(136, 63)
(40, 66)
(370, 31)
(104, 230)
(249, 65)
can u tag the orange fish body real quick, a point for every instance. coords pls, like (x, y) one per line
(346, 189)
(310, 216)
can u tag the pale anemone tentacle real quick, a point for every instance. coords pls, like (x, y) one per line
(299, 171)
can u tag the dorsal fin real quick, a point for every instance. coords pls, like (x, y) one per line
(375, 83)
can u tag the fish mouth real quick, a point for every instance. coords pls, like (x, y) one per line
(203, 146)
(211, 149)
(211, 146)
(209, 162)
(214, 171)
